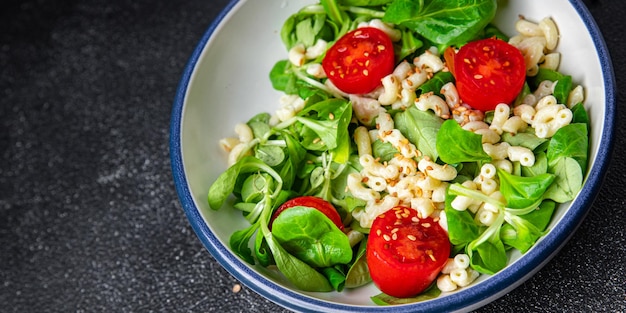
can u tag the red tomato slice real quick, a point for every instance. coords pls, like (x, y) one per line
(405, 253)
(311, 202)
(358, 61)
(489, 72)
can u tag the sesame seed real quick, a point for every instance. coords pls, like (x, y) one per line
(478, 76)
(331, 116)
(394, 236)
(365, 72)
(386, 237)
(411, 237)
(426, 225)
(414, 219)
(378, 232)
(395, 230)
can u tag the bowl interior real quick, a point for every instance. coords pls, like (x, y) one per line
(227, 82)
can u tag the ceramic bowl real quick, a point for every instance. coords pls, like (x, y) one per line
(226, 82)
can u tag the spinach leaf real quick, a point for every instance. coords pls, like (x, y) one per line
(568, 181)
(409, 44)
(526, 139)
(519, 233)
(570, 141)
(435, 83)
(580, 115)
(522, 192)
(442, 22)
(358, 274)
(238, 242)
(221, 189)
(384, 151)
(487, 253)
(303, 276)
(310, 236)
(420, 128)
(336, 278)
(326, 125)
(462, 229)
(456, 145)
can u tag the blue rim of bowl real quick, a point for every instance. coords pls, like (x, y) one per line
(473, 297)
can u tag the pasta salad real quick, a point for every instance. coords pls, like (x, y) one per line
(415, 145)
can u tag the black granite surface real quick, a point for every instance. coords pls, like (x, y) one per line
(89, 218)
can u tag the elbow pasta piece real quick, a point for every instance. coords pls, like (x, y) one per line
(489, 135)
(414, 80)
(451, 94)
(405, 166)
(316, 70)
(296, 54)
(550, 32)
(514, 125)
(486, 217)
(500, 115)
(439, 192)
(373, 168)
(503, 164)
(575, 96)
(384, 123)
(543, 102)
(391, 87)
(317, 50)
(532, 49)
(365, 109)
(461, 203)
(393, 33)
(376, 183)
(236, 153)
(550, 118)
(362, 140)
(545, 88)
(473, 126)
(443, 220)
(488, 186)
(522, 154)
(445, 283)
(497, 151)
(429, 61)
(227, 144)
(528, 28)
(423, 206)
(488, 170)
(437, 171)
(526, 112)
(461, 261)
(375, 208)
(551, 61)
(244, 132)
(407, 97)
(358, 190)
(460, 277)
(403, 70)
(430, 101)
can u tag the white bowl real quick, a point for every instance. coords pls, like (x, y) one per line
(226, 82)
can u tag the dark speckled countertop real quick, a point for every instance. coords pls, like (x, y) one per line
(89, 217)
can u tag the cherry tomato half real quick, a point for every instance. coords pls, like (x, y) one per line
(311, 202)
(358, 61)
(405, 253)
(489, 72)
